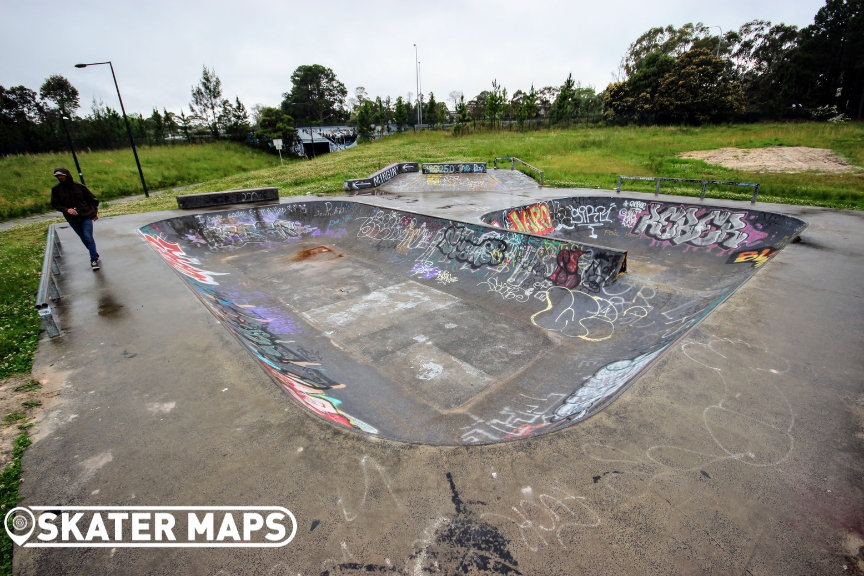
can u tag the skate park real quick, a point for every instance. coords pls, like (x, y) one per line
(403, 370)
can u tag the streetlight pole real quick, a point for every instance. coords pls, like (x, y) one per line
(311, 135)
(719, 39)
(71, 147)
(417, 77)
(420, 83)
(126, 119)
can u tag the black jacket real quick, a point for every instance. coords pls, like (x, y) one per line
(70, 194)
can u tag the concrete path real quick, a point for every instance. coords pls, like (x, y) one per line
(739, 452)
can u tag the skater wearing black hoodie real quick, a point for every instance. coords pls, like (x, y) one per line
(80, 208)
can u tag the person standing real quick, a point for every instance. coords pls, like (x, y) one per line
(80, 208)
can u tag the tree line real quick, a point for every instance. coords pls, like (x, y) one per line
(760, 71)
(33, 121)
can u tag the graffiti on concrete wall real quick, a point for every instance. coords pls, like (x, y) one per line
(677, 225)
(592, 317)
(694, 225)
(381, 177)
(534, 219)
(296, 369)
(177, 259)
(590, 216)
(629, 214)
(461, 182)
(601, 387)
(524, 416)
(566, 272)
(455, 168)
(756, 257)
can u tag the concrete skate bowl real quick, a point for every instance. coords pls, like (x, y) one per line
(387, 322)
(427, 330)
(494, 180)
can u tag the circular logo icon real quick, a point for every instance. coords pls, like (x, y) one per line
(17, 521)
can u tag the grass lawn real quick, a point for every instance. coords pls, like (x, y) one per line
(27, 179)
(592, 157)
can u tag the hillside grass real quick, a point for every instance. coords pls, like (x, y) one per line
(591, 157)
(27, 179)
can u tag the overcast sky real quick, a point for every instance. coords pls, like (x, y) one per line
(159, 47)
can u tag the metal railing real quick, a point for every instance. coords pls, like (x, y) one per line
(513, 160)
(47, 286)
(704, 183)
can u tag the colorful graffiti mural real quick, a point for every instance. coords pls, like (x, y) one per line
(534, 219)
(755, 257)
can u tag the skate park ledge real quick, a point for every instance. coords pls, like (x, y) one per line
(208, 199)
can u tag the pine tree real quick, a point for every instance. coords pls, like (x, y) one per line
(400, 114)
(157, 125)
(563, 107)
(207, 103)
(430, 110)
(364, 119)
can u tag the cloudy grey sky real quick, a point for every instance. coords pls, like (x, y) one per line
(158, 46)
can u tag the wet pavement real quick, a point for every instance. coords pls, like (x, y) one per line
(739, 450)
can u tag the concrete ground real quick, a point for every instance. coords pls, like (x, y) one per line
(739, 452)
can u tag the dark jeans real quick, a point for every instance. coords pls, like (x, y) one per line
(84, 229)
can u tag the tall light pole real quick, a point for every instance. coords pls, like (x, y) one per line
(71, 147)
(417, 75)
(128, 127)
(719, 38)
(311, 136)
(420, 83)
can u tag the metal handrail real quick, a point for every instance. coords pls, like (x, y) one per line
(704, 183)
(513, 160)
(47, 286)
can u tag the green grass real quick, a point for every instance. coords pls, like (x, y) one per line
(13, 417)
(27, 179)
(30, 386)
(21, 251)
(590, 157)
(10, 478)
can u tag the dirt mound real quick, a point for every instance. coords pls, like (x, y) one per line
(774, 159)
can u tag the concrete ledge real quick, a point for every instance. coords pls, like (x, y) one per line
(191, 201)
(455, 168)
(382, 176)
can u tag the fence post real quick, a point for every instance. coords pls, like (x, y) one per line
(48, 322)
(512, 163)
(618, 189)
(496, 163)
(657, 188)
(704, 189)
(755, 193)
(53, 292)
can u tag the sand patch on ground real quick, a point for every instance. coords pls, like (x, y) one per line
(774, 159)
(12, 402)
